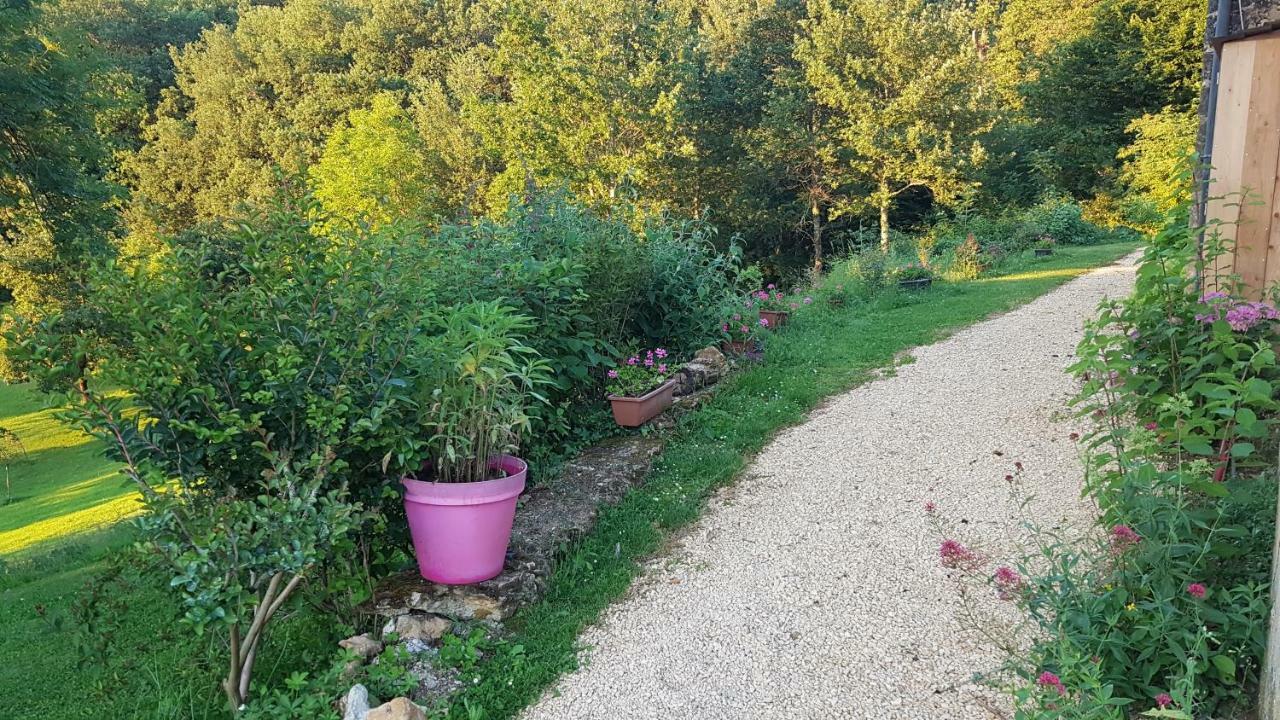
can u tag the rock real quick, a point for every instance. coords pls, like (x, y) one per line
(362, 645)
(705, 369)
(355, 706)
(398, 709)
(427, 628)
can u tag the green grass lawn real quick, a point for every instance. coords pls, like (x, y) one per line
(63, 486)
(53, 558)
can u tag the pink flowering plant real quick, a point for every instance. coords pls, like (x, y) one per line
(741, 328)
(1201, 365)
(1138, 615)
(637, 374)
(769, 298)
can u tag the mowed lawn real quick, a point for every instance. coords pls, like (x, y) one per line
(62, 486)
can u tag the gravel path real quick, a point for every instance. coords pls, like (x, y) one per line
(812, 589)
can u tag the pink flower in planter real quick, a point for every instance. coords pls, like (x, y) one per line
(744, 329)
(662, 368)
(1048, 679)
(633, 360)
(613, 374)
(771, 286)
(764, 322)
(648, 362)
(777, 296)
(1197, 590)
(1163, 700)
(737, 317)
(660, 353)
(724, 327)
(762, 295)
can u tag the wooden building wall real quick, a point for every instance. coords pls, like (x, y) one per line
(1245, 188)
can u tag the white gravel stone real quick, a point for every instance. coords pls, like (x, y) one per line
(812, 589)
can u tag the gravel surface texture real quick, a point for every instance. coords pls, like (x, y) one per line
(812, 588)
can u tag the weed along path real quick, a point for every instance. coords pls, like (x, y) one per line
(812, 589)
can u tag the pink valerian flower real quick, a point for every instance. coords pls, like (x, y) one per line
(1008, 582)
(662, 368)
(633, 360)
(648, 361)
(955, 555)
(613, 374)
(1049, 680)
(930, 507)
(1151, 426)
(770, 286)
(1197, 590)
(762, 295)
(808, 301)
(1163, 701)
(744, 329)
(660, 353)
(764, 322)
(1123, 537)
(777, 296)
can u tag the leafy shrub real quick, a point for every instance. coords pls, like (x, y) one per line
(968, 261)
(264, 401)
(1162, 609)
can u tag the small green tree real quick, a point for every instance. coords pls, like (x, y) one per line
(11, 451)
(266, 401)
(904, 79)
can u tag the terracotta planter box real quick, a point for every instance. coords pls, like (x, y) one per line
(775, 318)
(735, 347)
(1044, 252)
(636, 411)
(920, 284)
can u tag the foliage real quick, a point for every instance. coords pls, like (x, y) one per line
(636, 376)
(1162, 608)
(265, 379)
(912, 271)
(54, 214)
(905, 85)
(1154, 165)
(11, 451)
(1200, 367)
(474, 394)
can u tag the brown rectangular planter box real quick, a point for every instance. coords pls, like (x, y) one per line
(1044, 252)
(636, 411)
(735, 347)
(775, 318)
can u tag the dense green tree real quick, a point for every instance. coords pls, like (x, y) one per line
(54, 202)
(905, 84)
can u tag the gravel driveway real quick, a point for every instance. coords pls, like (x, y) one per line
(812, 589)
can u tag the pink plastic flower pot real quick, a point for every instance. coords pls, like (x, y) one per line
(461, 530)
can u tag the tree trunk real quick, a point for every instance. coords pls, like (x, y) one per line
(1269, 695)
(816, 212)
(884, 221)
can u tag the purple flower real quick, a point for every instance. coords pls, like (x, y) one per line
(613, 374)
(633, 360)
(808, 301)
(762, 295)
(724, 327)
(660, 353)
(648, 362)
(764, 322)
(771, 286)
(1163, 700)
(744, 329)
(1197, 590)
(662, 367)
(736, 317)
